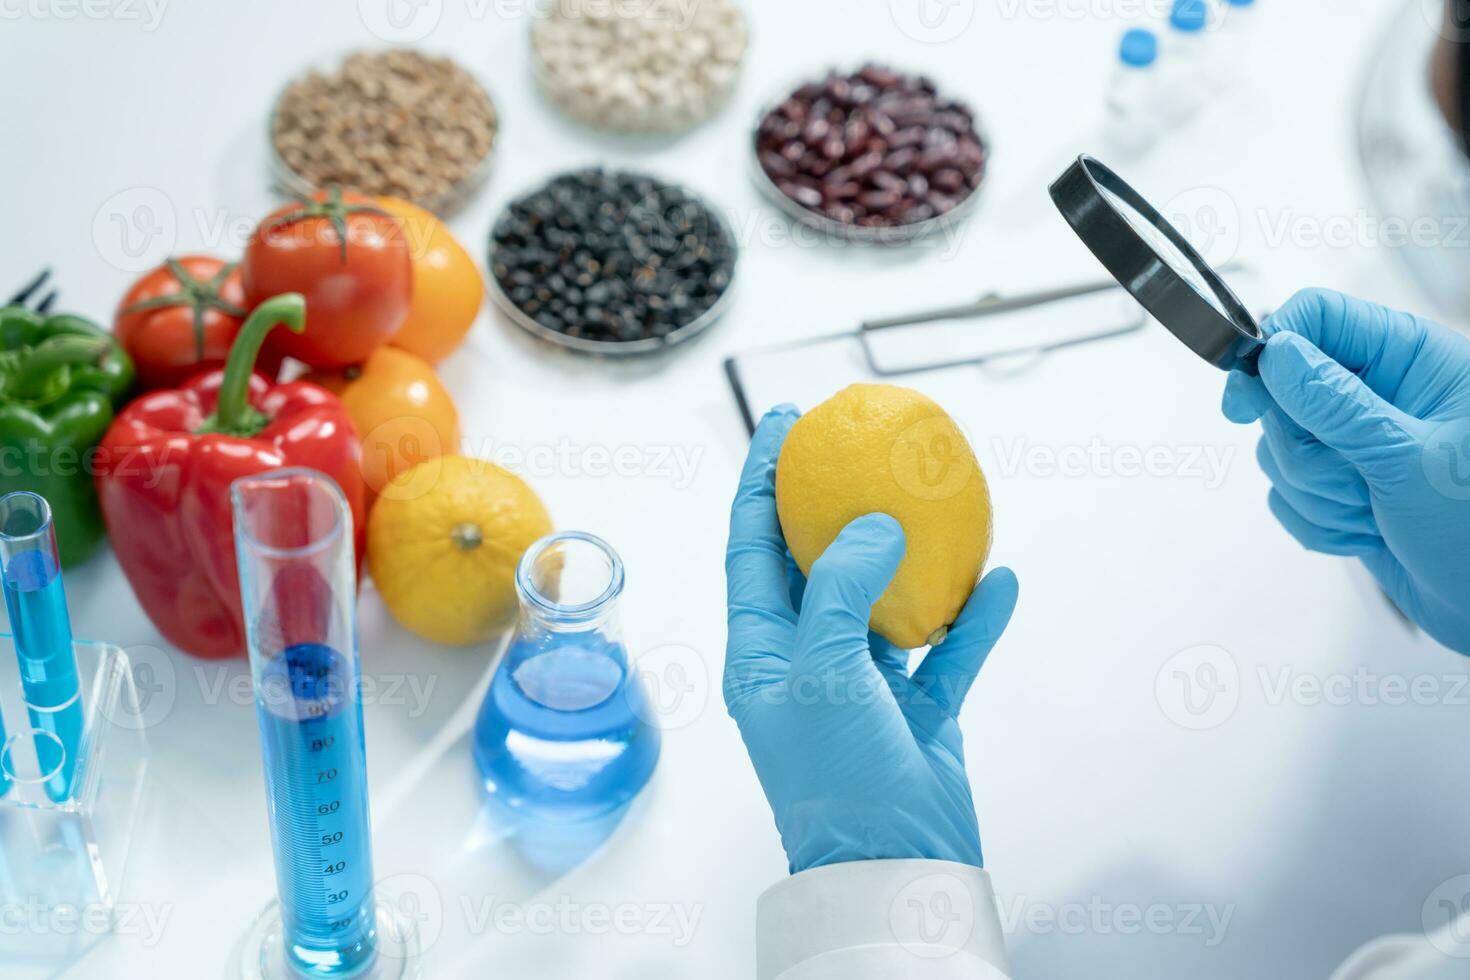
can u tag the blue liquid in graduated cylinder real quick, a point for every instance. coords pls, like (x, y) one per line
(316, 780)
(561, 733)
(36, 602)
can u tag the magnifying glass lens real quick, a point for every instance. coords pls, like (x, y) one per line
(1157, 265)
(1165, 249)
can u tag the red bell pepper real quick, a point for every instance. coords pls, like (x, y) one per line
(165, 469)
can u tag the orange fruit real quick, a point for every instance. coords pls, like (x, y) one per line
(443, 544)
(447, 286)
(402, 411)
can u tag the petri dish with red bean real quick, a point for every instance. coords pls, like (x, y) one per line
(872, 155)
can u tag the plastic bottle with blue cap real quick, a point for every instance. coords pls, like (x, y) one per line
(1237, 26)
(1133, 122)
(1187, 74)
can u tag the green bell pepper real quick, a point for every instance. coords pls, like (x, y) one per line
(61, 377)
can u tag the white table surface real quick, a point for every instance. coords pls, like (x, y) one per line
(1314, 826)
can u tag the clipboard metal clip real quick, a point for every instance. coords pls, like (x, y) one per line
(880, 355)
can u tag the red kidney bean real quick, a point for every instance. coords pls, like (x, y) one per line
(794, 108)
(879, 77)
(885, 181)
(820, 167)
(912, 136)
(876, 148)
(948, 179)
(901, 161)
(938, 137)
(919, 212)
(952, 121)
(936, 158)
(776, 165)
(941, 204)
(879, 200)
(866, 164)
(807, 197)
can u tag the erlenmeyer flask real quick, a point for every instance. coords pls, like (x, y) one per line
(564, 733)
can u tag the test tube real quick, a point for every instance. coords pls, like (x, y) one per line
(298, 584)
(36, 603)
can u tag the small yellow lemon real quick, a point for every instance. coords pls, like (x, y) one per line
(443, 543)
(885, 449)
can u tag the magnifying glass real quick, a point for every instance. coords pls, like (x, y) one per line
(1157, 265)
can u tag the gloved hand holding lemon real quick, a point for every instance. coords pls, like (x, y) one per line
(878, 497)
(882, 449)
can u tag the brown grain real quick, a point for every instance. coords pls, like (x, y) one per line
(395, 123)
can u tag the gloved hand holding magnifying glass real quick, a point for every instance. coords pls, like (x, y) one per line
(1366, 413)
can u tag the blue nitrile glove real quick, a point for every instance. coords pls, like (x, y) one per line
(858, 759)
(1366, 414)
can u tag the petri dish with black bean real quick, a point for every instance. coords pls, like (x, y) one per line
(612, 262)
(874, 154)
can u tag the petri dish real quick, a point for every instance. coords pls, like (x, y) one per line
(642, 346)
(571, 96)
(443, 205)
(841, 230)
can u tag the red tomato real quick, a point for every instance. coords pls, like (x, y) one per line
(357, 286)
(181, 318)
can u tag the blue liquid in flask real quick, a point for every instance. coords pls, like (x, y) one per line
(316, 779)
(35, 600)
(562, 733)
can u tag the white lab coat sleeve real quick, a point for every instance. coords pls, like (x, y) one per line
(881, 920)
(1440, 955)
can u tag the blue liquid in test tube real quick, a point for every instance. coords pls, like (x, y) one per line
(316, 767)
(298, 585)
(5, 781)
(36, 603)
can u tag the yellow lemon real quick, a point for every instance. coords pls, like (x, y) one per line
(443, 543)
(885, 449)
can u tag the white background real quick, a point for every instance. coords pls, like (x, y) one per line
(1315, 826)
